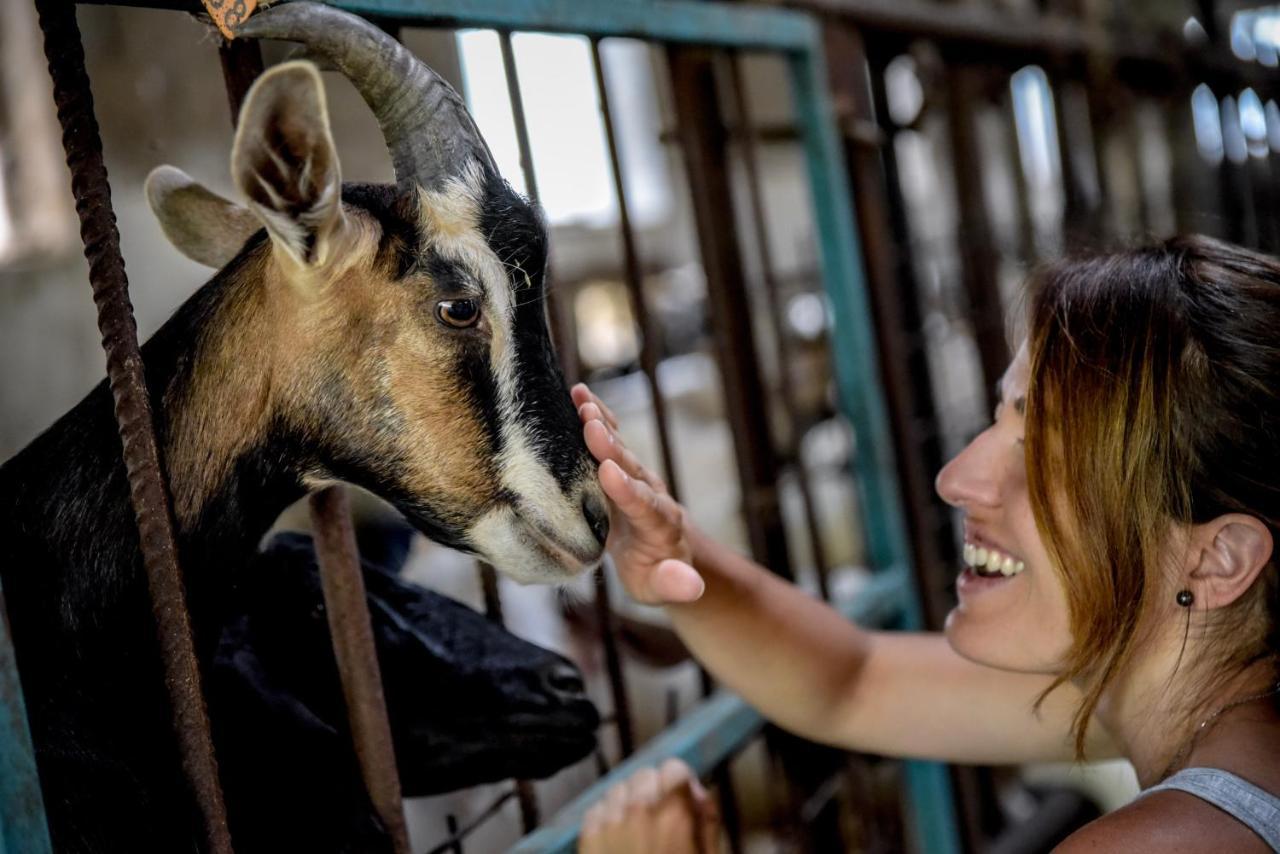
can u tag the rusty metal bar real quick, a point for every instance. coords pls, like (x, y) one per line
(650, 336)
(747, 147)
(558, 309)
(241, 64)
(353, 647)
(147, 489)
(613, 666)
(523, 790)
(517, 114)
(975, 243)
(704, 141)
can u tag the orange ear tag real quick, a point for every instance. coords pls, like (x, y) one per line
(228, 14)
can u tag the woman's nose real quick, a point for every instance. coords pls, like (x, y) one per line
(970, 478)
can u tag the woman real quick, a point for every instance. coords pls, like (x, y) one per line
(1119, 595)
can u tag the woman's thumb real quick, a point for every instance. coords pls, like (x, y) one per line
(675, 581)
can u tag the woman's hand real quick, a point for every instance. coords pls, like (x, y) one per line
(655, 810)
(647, 534)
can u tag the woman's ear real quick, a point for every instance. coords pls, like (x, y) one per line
(1227, 554)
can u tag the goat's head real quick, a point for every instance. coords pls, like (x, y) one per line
(468, 702)
(408, 346)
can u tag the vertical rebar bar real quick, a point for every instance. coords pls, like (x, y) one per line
(147, 489)
(650, 335)
(613, 666)
(747, 145)
(524, 790)
(558, 308)
(352, 633)
(977, 250)
(241, 64)
(704, 141)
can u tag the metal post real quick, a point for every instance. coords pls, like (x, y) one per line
(650, 335)
(748, 148)
(559, 309)
(977, 249)
(704, 142)
(353, 647)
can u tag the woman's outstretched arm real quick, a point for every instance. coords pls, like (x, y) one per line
(799, 661)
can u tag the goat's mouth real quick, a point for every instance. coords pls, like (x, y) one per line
(556, 549)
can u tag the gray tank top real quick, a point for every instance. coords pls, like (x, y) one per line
(1237, 797)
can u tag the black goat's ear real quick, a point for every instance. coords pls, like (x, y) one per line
(285, 163)
(202, 225)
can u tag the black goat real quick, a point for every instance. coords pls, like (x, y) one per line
(469, 703)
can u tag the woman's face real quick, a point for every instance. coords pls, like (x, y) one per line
(1012, 612)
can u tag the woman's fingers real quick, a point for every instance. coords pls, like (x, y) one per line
(604, 445)
(650, 511)
(582, 395)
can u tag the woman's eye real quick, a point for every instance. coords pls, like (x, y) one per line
(458, 313)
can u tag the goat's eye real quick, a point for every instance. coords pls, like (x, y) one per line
(458, 313)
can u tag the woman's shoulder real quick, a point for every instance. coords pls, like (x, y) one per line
(1169, 822)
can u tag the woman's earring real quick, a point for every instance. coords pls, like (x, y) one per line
(1185, 598)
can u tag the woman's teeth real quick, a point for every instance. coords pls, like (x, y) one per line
(990, 562)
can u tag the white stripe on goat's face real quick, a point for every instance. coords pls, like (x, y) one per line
(544, 514)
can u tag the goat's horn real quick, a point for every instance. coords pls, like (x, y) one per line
(424, 121)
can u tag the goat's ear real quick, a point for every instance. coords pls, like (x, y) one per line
(202, 225)
(285, 163)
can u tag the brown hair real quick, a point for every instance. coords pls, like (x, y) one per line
(1154, 398)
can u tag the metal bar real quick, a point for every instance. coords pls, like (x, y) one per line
(23, 826)
(650, 336)
(682, 21)
(894, 295)
(857, 374)
(714, 730)
(524, 791)
(489, 590)
(148, 493)
(241, 64)
(747, 147)
(352, 634)
(704, 142)
(977, 247)
(517, 113)
(562, 327)
(857, 84)
(613, 666)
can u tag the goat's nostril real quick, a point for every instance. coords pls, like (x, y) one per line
(597, 515)
(564, 678)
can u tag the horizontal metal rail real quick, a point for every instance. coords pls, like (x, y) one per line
(713, 731)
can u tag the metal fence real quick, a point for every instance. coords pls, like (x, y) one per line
(702, 43)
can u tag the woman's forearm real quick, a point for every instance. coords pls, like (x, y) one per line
(788, 654)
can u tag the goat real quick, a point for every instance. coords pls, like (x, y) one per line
(469, 703)
(390, 336)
